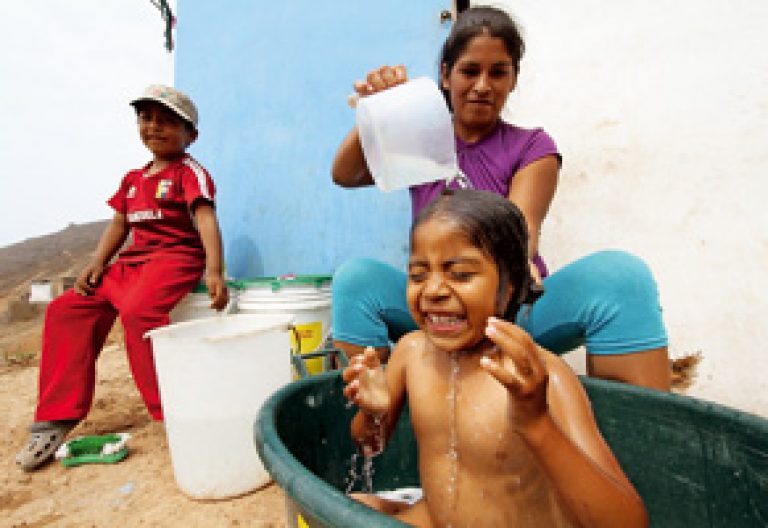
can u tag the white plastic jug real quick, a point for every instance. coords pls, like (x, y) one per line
(214, 375)
(407, 135)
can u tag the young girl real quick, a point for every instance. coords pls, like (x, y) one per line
(607, 301)
(504, 430)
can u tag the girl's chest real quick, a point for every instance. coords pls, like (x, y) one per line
(469, 412)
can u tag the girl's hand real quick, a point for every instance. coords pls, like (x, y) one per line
(519, 367)
(89, 278)
(366, 383)
(381, 79)
(217, 290)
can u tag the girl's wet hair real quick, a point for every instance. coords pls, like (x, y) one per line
(476, 21)
(495, 226)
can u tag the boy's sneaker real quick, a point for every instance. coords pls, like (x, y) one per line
(44, 439)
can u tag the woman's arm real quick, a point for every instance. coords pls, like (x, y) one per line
(532, 190)
(110, 242)
(210, 234)
(349, 166)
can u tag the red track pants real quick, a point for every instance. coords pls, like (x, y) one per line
(76, 327)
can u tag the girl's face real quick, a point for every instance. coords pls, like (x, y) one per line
(478, 85)
(452, 286)
(164, 133)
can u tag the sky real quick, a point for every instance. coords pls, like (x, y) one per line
(68, 70)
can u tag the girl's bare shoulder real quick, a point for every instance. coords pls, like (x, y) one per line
(412, 346)
(411, 339)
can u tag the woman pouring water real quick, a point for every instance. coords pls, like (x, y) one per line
(607, 301)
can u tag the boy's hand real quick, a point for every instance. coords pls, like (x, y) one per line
(366, 383)
(89, 278)
(217, 290)
(519, 367)
(380, 79)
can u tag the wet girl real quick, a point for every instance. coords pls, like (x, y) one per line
(607, 301)
(504, 430)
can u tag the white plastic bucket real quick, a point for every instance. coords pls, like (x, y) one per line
(407, 135)
(214, 375)
(197, 305)
(307, 298)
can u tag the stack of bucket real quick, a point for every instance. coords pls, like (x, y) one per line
(306, 297)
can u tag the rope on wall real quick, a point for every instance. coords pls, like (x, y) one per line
(168, 18)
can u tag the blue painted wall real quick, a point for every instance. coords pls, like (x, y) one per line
(271, 80)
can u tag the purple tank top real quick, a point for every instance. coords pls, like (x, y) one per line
(491, 163)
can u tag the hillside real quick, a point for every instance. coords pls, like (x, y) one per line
(62, 253)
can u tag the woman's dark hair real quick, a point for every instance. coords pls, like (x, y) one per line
(495, 226)
(473, 22)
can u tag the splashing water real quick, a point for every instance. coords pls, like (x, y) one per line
(378, 438)
(368, 474)
(368, 453)
(365, 476)
(453, 438)
(352, 476)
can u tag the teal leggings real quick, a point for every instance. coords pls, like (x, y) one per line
(607, 301)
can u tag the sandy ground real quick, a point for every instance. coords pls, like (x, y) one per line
(139, 491)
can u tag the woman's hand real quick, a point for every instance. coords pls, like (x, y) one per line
(535, 273)
(89, 278)
(520, 368)
(381, 79)
(217, 290)
(366, 384)
(349, 166)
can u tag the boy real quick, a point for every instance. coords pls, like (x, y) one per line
(167, 206)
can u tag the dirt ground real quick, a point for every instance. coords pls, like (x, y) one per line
(139, 491)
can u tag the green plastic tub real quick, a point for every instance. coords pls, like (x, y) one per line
(696, 464)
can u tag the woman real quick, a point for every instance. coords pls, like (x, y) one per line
(607, 301)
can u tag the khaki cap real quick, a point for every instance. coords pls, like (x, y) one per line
(172, 98)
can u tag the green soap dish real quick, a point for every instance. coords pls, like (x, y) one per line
(95, 449)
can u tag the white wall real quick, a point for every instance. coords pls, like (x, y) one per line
(67, 71)
(661, 112)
